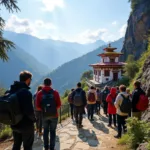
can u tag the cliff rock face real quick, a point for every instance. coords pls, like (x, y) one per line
(145, 79)
(137, 31)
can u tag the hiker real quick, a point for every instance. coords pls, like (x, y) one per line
(111, 106)
(123, 106)
(23, 132)
(79, 102)
(98, 101)
(70, 100)
(91, 102)
(139, 101)
(38, 113)
(104, 94)
(130, 96)
(48, 100)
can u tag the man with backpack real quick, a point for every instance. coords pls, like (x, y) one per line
(48, 100)
(104, 94)
(70, 101)
(79, 102)
(23, 131)
(123, 106)
(91, 101)
(140, 101)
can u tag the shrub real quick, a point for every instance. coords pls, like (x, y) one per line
(148, 146)
(125, 80)
(138, 132)
(5, 133)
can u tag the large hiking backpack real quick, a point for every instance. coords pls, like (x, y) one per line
(10, 112)
(49, 108)
(78, 99)
(143, 103)
(126, 104)
(91, 97)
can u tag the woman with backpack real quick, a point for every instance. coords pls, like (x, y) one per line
(91, 101)
(111, 107)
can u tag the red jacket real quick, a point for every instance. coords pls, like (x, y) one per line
(39, 98)
(112, 96)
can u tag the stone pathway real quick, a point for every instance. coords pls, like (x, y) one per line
(93, 136)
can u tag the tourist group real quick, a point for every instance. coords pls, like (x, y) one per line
(21, 110)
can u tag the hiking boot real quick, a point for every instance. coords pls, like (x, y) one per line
(117, 136)
(109, 125)
(92, 119)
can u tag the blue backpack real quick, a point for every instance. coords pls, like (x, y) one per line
(49, 107)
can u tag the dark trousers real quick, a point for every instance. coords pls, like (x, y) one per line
(71, 109)
(105, 106)
(98, 107)
(91, 108)
(114, 119)
(78, 112)
(50, 126)
(26, 138)
(121, 124)
(38, 115)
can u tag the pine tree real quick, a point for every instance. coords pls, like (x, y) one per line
(6, 45)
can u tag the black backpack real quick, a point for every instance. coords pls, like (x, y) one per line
(10, 112)
(126, 104)
(49, 108)
(78, 100)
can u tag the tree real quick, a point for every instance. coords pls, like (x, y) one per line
(6, 45)
(87, 75)
(131, 68)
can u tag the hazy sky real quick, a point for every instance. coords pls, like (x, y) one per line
(80, 21)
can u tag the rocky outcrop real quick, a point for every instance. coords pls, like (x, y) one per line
(142, 146)
(145, 79)
(137, 31)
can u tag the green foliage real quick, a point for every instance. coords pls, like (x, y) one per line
(5, 132)
(131, 68)
(135, 3)
(148, 145)
(6, 45)
(2, 91)
(138, 132)
(87, 75)
(124, 139)
(125, 81)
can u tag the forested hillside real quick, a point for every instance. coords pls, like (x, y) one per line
(20, 60)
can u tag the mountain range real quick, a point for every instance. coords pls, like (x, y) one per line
(67, 75)
(52, 53)
(39, 56)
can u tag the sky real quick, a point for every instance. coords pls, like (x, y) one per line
(82, 21)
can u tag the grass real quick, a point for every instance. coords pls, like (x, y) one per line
(5, 133)
(123, 140)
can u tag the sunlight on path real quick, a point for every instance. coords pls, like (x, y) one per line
(93, 136)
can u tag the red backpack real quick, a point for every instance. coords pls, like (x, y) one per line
(143, 103)
(91, 97)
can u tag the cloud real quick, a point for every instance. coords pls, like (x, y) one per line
(89, 36)
(123, 30)
(114, 23)
(27, 26)
(51, 5)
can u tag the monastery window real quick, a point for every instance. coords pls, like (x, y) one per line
(107, 73)
(112, 60)
(99, 73)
